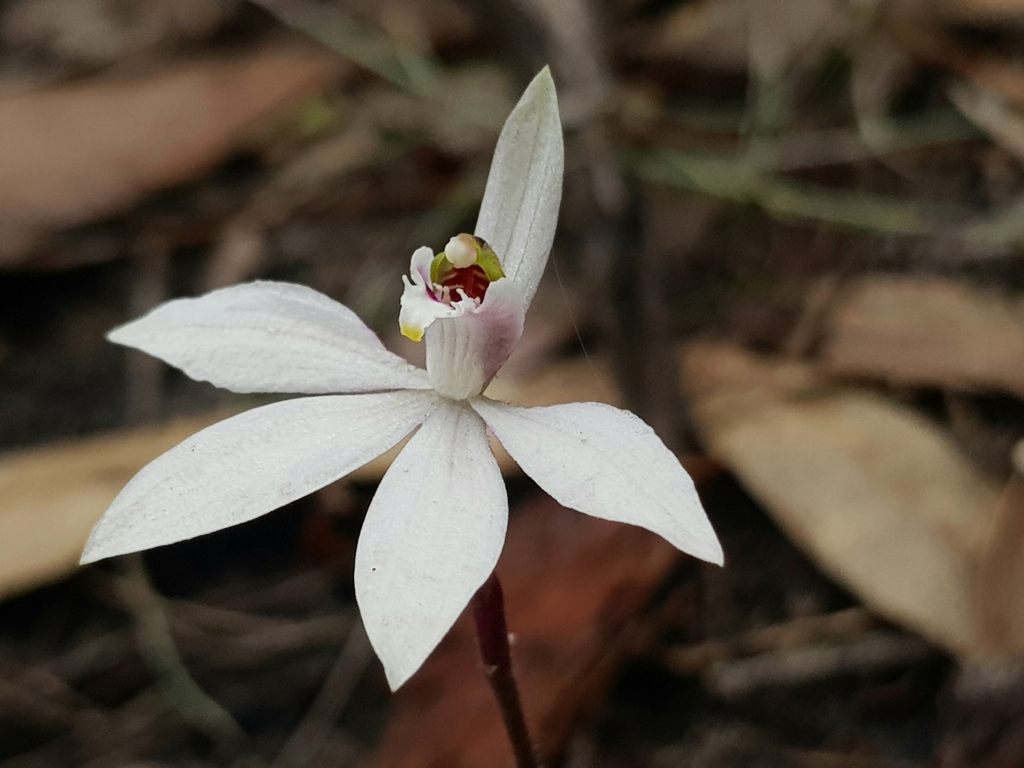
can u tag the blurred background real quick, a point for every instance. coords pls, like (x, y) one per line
(790, 239)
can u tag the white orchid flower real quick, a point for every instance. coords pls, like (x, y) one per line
(436, 526)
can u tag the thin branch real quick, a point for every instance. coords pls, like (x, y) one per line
(308, 739)
(175, 683)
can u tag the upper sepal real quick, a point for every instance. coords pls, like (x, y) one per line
(519, 211)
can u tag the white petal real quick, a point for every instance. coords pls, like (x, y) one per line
(464, 353)
(419, 265)
(519, 211)
(269, 337)
(251, 464)
(431, 538)
(420, 307)
(608, 463)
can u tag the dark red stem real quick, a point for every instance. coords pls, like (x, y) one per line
(492, 632)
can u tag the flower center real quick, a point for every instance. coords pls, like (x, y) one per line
(471, 280)
(447, 284)
(468, 265)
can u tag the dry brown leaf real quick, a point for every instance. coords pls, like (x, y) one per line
(51, 497)
(999, 590)
(75, 153)
(927, 331)
(878, 496)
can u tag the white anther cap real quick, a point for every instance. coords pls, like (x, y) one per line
(461, 251)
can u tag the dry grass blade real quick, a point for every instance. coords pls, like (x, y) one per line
(787, 667)
(368, 47)
(738, 181)
(798, 632)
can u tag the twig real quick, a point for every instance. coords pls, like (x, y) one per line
(31, 705)
(874, 651)
(174, 682)
(137, 727)
(92, 657)
(803, 631)
(300, 591)
(308, 738)
(812, 149)
(241, 249)
(737, 180)
(231, 640)
(104, 739)
(808, 329)
(492, 634)
(222, 637)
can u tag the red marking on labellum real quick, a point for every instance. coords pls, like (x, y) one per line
(472, 280)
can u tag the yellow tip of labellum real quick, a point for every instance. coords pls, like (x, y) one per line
(412, 332)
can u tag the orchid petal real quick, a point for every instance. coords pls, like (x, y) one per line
(251, 464)
(431, 538)
(464, 352)
(607, 463)
(420, 307)
(519, 211)
(269, 337)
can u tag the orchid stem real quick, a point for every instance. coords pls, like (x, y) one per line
(492, 633)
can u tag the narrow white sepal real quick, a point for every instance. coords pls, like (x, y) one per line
(464, 352)
(269, 337)
(607, 463)
(431, 538)
(519, 211)
(251, 464)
